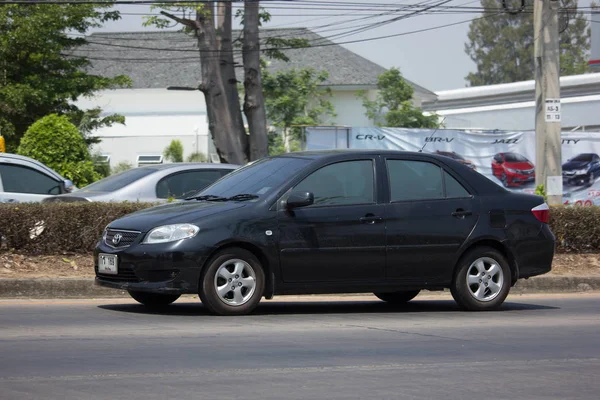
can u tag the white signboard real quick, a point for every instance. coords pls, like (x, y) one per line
(506, 158)
(552, 110)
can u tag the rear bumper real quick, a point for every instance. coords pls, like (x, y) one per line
(534, 257)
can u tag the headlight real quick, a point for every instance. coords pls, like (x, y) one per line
(581, 171)
(171, 233)
(514, 171)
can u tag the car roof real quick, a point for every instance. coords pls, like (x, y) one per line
(27, 160)
(185, 165)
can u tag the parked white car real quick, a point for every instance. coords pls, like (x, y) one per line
(23, 179)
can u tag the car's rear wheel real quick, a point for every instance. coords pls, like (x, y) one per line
(482, 280)
(153, 300)
(398, 298)
(233, 283)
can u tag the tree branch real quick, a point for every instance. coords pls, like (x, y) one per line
(184, 21)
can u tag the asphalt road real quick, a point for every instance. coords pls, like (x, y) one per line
(536, 347)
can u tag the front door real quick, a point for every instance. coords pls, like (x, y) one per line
(430, 214)
(341, 237)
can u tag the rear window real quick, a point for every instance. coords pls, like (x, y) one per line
(119, 181)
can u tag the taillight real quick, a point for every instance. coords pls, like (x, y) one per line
(542, 212)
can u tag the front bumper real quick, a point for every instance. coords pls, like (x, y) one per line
(169, 268)
(576, 179)
(516, 179)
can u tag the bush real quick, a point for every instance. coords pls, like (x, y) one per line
(56, 142)
(57, 228)
(76, 227)
(174, 151)
(577, 229)
(121, 167)
(197, 157)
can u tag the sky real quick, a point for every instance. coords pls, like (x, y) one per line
(434, 59)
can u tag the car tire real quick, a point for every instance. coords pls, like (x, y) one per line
(232, 283)
(482, 280)
(504, 180)
(398, 298)
(153, 300)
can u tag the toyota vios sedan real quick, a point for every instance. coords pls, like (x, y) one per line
(390, 223)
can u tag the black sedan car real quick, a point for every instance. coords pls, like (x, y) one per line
(390, 223)
(582, 169)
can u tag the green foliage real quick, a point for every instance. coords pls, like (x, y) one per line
(174, 151)
(393, 106)
(67, 227)
(294, 97)
(197, 157)
(577, 229)
(56, 142)
(87, 121)
(121, 167)
(101, 167)
(502, 45)
(41, 74)
(277, 145)
(540, 190)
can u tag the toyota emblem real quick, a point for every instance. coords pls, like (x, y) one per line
(117, 239)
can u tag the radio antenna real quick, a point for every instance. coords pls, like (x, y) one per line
(433, 133)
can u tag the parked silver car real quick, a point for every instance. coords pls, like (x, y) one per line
(23, 179)
(151, 184)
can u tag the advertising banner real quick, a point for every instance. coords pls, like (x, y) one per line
(507, 158)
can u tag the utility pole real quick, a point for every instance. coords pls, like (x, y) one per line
(547, 99)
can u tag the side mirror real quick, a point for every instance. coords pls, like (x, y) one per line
(69, 186)
(300, 199)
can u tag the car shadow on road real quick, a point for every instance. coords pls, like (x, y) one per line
(320, 307)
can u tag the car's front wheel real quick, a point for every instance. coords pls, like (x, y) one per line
(482, 280)
(232, 283)
(398, 298)
(153, 300)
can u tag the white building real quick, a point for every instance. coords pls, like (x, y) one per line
(511, 106)
(158, 60)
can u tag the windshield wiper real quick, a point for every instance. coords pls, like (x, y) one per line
(243, 197)
(208, 197)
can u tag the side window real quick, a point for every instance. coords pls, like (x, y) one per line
(184, 184)
(414, 180)
(18, 179)
(453, 187)
(344, 183)
(497, 158)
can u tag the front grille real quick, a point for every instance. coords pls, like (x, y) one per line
(526, 171)
(126, 238)
(569, 173)
(125, 274)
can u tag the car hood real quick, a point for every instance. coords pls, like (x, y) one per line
(173, 213)
(519, 165)
(571, 165)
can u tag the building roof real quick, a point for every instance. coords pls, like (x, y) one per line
(510, 93)
(168, 58)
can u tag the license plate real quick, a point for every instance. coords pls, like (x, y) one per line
(107, 264)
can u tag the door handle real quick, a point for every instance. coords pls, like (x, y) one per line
(371, 220)
(460, 213)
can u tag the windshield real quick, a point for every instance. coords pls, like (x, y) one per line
(259, 178)
(513, 157)
(118, 181)
(583, 157)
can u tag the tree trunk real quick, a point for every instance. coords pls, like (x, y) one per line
(227, 62)
(254, 105)
(286, 140)
(220, 122)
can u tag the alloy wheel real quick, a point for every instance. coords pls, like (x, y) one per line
(235, 282)
(485, 279)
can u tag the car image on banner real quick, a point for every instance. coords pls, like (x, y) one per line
(486, 152)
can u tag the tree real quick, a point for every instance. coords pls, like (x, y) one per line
(294, 98)
(502, 44)
(254, 105)
(56, 142)
(174, 151)
(37, 75)
(197, 157)
(393, 105)
(121, 167)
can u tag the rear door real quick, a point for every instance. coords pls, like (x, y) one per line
(341, 237)
(24, 184)
(429, 215)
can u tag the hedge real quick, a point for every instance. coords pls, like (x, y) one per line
(76, 227)
(58, 228)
